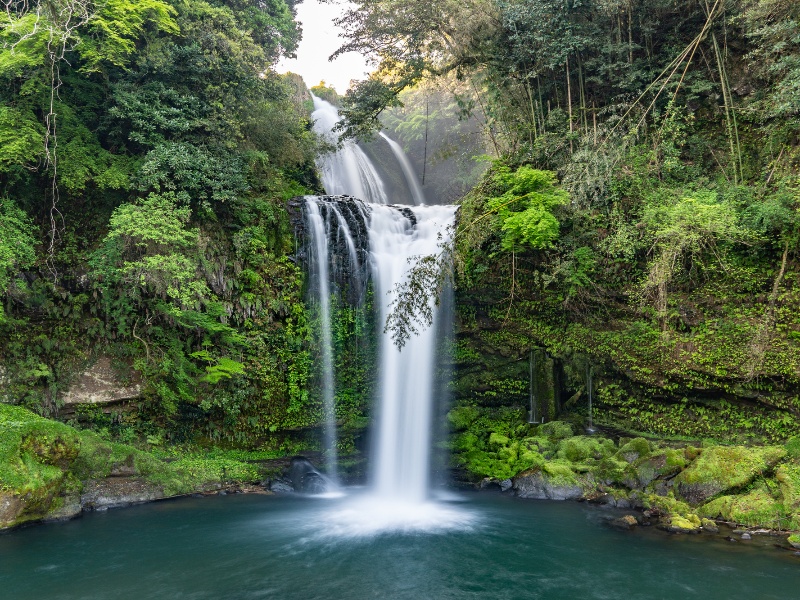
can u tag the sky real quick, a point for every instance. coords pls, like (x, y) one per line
(320, 40)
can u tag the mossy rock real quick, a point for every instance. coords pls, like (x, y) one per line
(34, 455)
(555, 430)
(755, 509)
(634, 449)
(690, 523)
(788, 478)
(792, 446)
(612, 470)
(579, 449)
(720, 469)
(658, 465)
(498, 439)
(794, 540)
(539, 444)
(554, 480)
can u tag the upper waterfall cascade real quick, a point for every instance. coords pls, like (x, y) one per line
(374, 243)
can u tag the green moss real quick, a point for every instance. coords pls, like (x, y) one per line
(794, 540)
(723, 468)
(788, 478)
(634, 449)
(498, 439)
(689, 523)
(33, 450)
(560, 472)
(793, 447)
(579, 449)
(757, 508)
(555, 430)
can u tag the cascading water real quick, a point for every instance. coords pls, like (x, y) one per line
(319, 234)
(406, 376)
(394, 236)
(348, 170)
(408, 172)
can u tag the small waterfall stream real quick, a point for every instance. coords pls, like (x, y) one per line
(378, 242)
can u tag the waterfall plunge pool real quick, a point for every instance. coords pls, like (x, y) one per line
(294, 547)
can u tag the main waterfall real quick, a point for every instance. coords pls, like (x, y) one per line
(359, 243)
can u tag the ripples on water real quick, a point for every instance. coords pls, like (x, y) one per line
(355, 547)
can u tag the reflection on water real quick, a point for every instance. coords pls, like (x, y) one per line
(484, 546)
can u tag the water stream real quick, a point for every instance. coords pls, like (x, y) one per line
(394, 236)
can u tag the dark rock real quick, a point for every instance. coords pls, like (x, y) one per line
(305, 478)
(280, 486)
(101, 494)
(540, 486)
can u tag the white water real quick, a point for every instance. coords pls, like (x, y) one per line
(408, 171)
(348, 171)
(399, 497)
(318, 229)
(406, 376)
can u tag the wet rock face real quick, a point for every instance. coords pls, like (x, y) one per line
(305, 478)
(117, 492)
(101, 384)
(538, 486)
(11, 507)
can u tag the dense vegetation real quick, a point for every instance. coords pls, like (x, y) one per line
(633, 233)
(147, 152)
(667, 262)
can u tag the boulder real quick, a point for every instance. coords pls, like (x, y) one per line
(720, 469)
(553, 481)
(101, 384)
(116, 492)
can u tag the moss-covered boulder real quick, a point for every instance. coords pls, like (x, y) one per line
(720, 469)
(555, 430)
(554, 480)
(634, 449)
(580, 449)
(49, 470)
(756, 508)
(35, 454)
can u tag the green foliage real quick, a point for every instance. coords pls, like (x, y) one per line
(115, 28)
(21, 138)
(324, 91)
(524, 207)
(16, 245)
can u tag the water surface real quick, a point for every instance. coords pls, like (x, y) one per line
(242, 547)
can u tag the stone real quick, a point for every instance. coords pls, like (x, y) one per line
(100, 384)
(709, 526)
(722, 468)
(681, 524)
(746, 536)
(540, 485)
(116, 492)
(280, 486)
(625, 522)
(11, 506)
(69, 509)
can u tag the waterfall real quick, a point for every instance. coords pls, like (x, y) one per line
(319, 234)
(363, 239)
(348, 170)
(406, 376)
(408, 172)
